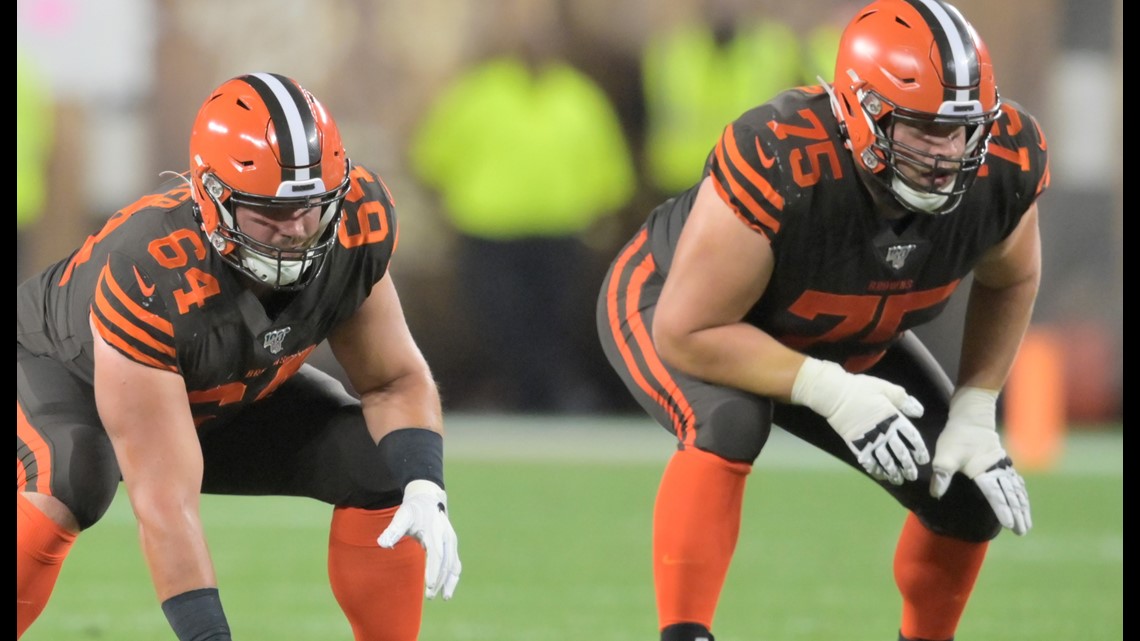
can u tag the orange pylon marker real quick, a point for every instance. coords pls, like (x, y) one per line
(1034, 402)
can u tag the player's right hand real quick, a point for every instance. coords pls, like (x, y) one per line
(871, 416)
(423, 516)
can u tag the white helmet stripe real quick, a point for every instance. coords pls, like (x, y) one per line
(956, 46)
(295, 125)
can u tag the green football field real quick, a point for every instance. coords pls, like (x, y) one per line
(553, 517)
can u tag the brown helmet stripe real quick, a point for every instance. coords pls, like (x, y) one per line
(293, 120)
(956, 48)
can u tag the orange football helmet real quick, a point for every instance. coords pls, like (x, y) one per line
(918, 62)
(264, 141)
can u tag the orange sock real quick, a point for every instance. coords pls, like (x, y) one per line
(696, 521)
(380, 591)
(41, 547)
(935, 575)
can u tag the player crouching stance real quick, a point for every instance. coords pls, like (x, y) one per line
(169, 351)
(781, 290)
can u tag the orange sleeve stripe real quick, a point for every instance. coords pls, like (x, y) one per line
(40, 451)
(124, 325)
(637, 327)
(1043, 184)
(155, 321)
(727, 198)
(84, 253)
(753, 177)
(1041, 142)
(733, 190)
(387, 192)
(395, 236)
(114, 340)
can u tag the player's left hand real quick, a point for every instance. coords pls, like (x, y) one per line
(969, 444)
(423, 516)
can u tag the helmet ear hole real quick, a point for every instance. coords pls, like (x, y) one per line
(847, 108)
(213, 186)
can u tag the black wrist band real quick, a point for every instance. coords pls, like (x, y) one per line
(412, 453)
(197, 616)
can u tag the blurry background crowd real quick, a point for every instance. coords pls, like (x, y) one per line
(525, 140)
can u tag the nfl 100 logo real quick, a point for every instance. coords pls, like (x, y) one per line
(897, 255)
(274, 339)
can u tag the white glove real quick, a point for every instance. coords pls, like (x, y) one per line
(871, 416)
(423, 516)
(970, 445)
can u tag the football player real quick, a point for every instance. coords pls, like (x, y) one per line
(169, 352)
(783, 287)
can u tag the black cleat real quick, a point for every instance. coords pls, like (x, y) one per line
(686, 632)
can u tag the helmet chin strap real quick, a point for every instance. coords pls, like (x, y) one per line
(270, 271)
(923, 201)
